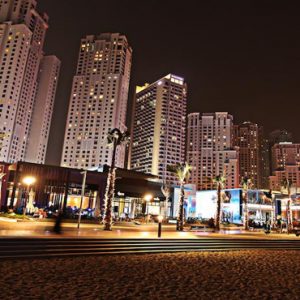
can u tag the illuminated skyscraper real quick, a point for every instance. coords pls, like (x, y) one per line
(22, 34)
(98, 101)
(158, 127)
(43, 109)
(210, 149)
(248, 137)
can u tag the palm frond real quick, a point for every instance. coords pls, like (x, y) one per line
(182, 171)
(166, 190)
(286, 183)
(246, 183)
(115, 136)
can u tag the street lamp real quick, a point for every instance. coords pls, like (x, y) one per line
(28, 181)
(159, 218)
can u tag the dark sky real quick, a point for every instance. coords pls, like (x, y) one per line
(236, 56)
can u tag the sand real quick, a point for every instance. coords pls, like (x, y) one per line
(255, 274)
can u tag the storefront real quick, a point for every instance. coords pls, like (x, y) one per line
(261, 205)
(61, 188)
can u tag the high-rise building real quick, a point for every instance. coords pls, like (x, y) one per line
(43, 109)
(280, 136)
(285, 164)
(265, 163)
(284, 154)
(98, 101)
(276, 137)
(210, 149)
(248, 137)
(290, 172)
(14, 49)
(158, 127)
(22, 34)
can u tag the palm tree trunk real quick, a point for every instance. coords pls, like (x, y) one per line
(289, 216)
(218, 216)
(181, 209)
(166, 207)
(274, 214)
(246, 221)
(288, 212)
(109, 195)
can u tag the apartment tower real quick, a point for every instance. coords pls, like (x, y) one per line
(22, 35)
(43, 109)
(98, 101)
(210, 149)
(248, 137)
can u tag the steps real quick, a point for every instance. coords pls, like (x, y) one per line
(58, 247)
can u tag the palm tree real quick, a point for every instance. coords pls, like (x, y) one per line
(166, 190)
(182, 172)
(219, 181)
(246, 185)
(115, 138)
(286, 185)
(1, 176)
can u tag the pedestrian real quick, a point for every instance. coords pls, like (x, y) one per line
(57, 226)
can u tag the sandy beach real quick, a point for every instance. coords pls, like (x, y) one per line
(203, 275)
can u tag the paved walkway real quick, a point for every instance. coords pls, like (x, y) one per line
(10, 228)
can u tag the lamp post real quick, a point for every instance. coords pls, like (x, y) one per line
(84, 173)
(159, 218)
(28, 181)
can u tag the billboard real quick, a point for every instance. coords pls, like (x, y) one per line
(233, 210)
(205, 205)
(188, 194)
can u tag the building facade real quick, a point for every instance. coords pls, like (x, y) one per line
(43, 109)
(60, 188)
(158, 127)
(285, 165)
(210, 149)
(98, 101)
(248, 138)
(265, 163)
(291, 173)
(22, 35)
(285, 154)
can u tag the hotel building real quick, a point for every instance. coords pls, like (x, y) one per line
(159, 126)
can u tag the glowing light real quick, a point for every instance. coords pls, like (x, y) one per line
(148, 197)
(29, 180)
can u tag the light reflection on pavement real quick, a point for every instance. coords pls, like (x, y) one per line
(40, 229)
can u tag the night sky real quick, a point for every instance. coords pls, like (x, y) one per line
(237, 56)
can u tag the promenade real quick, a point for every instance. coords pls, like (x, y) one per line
(44, 229)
